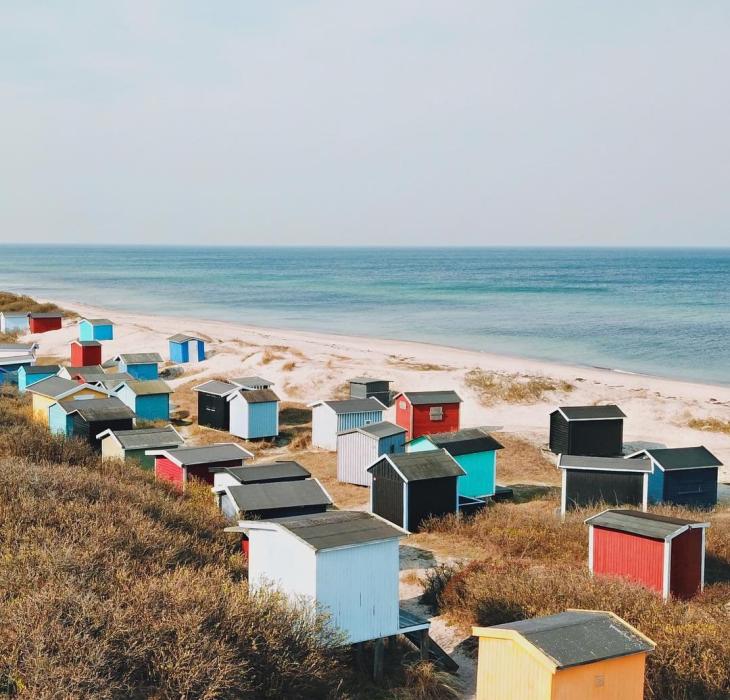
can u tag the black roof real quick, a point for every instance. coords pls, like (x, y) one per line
(645, 524)
(466, 441)
(272, 471)
(425, 397)
(339, 528)
(619, 464)
(42, 369)
(380, 429)
(591, 412)
(684, 458)
(218, 452)
(579, 637)
(148, 438)
(253, 498)
(92, 410)
(418, 466)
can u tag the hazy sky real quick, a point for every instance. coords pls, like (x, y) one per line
(370, 122)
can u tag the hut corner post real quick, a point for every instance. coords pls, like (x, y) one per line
(425, 645)
(378, 659)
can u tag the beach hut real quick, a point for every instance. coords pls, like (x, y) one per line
(96, 329)
(329, 418)
(358, 448)
(14, 322)
(16, 349)
(44, 322)
(87, 418)
(474, 450)
(370, 388)
(594, 431)
(30, 374)
(213, 408)
(150, 400)
(186, 348)
(80, 373)
(575, 655)
(264, 473)
(253, 414)
(252, 383)
(180, 465)
(683, 476)
(108, 380)
(49, 391)
(131, 445)
(615, 480)
(10, 365)
(665, 554)
(141, 365)
(425, 412)
(408, 488)
(85, 353)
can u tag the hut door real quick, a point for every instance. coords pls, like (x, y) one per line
(388, 497)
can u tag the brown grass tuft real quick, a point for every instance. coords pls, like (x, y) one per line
(494, 387)
(713, 425)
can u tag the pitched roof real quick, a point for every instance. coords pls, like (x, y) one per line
(619, 464)
(382, 429)
(352, 405)
(658, 527)
(83, 371)
(368, 380)
(255, 395)
(220, 452)
(54, 387)
(215, 387)
(97, 409)
(579, 637)
(683, 458)
(97, 321)
(147, 387)
(145, 438)
(252, 382)
(139, 358)
(607, 412)
(46, 314)
(466, 441)
(16, 359)
(419, 398)
(18, 347)
(183, 338)
(252, 498)
(271, 471)
(14, 314)
(86, 343)
(110, 380)
(418, 466)
(42, 369)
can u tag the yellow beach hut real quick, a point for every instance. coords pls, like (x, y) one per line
(54, 389)
(575, 655)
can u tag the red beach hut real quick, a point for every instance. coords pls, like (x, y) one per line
(667, 555)
(426, 412)
(85, 353)
(48, 321)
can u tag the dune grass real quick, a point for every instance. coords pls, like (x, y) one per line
(495, 387)
(712, 425)
(20, 302)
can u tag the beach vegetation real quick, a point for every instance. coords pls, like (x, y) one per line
(712, 425)
(20, 302)
(496, 387)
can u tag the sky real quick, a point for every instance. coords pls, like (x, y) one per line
(386, 122)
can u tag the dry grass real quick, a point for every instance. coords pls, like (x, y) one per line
(270, 355)
(494, 387)
(522, 462)
(713, 425)
(409, 363)
(19, 302)
(288, 366)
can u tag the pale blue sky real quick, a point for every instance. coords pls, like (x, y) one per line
(379, 122)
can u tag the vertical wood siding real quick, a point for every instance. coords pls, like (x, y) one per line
(691, 487)
(506, 672)
(355, 453)
(178, 352)
(423, 425)
(596, 438)
(153, 407)
(213, 411)
(279, 559)
(479, 479)
(58, 422)
(430, 497)
(685, 577)
(85, 356)
(388, 494)
(611, 679)
(559, 441)
(347, 421)
(165, 470)
(43, 325)
(403, 415)
(143, 371)
(586, 487)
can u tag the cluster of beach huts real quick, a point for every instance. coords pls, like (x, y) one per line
(418, 465)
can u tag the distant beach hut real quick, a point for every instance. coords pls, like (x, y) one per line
(46, 321)
(16, 349)
(252, 383)
(150, 400)
(186, 348)
(425, 412)
(107, 380)
(358, 448)
(180, 465)
(665, 554)
(593, 431)
(49, 391)
(96, 329)
(370, 388)
(131, 445)
(576, 655)
(86, 418)
(408, 488)
(213, 407)
(14, 322)
(264, 473)
(30, 374)
(614, 480)
(85, 353)
(79, 373)
(141, 365)
(253, 413)
(683, 476)
(329, 418)
(10, 365)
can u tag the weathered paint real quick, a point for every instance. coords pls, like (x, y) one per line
(89, 331)
(417, 419)
(147, 370)
(26, 380)
(253, 420)
(59, 422)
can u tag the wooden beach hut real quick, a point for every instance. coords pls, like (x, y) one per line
(408, 488)
(253, 413)
(683, 476)
(85, 353)
(49, 391)
(150, 400)
(14, 322)
(46, 321)
(132, 445)
(425, 412)
(594, 431)
(141, 365)
(178, 466)
(79, 373)
(31, 374)
(370, 388)
(213, 407)
(575, 655)
(329, 418)
(107, 380)
(87, 418)
(358, 448)
(665, 554)
(17, 349)
(10, 365)
(96, 329)
(264, 473)
(186, 348)
(615, 480)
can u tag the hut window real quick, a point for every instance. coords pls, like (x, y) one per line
(402, 405)
(436, 413)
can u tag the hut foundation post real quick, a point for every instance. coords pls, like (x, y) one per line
(425, 646)
(378, 658)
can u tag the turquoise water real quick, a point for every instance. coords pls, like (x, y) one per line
(664, 312)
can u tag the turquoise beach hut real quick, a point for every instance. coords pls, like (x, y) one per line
(96, 329)
(474, 450)
(141, 365)
(186, 348)
(30, 374)
(150, 399)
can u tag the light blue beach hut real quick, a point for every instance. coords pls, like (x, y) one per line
(150, 399)
(30, 374)
(253, 414)
(96, 329)
(14, 321)
(186, 348)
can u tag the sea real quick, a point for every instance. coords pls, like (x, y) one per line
(662, 312)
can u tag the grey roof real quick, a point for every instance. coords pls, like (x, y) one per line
(109, 363)
(98, 409)
(592, 412)
(252, 498)
(339, 528)
(645, 524)
(579, 637)
(368, 380)
(252, 382)
(378, 430)
(98, 321)
(258, 395)
(271, 471)
(148, 438)
(14, 313)
(183, 338)
(355, 405)
(604, 463)
(42, 369)
(139, 358)
(418, 398)
(16, 359)
(53, 386)
(215, 387)
(684, 458)
(111, 379)
(466, 441)
(18, 347)
(46, 314)
(418, 466)
(86, 343)
(222, 452)
(83, 371)
(148, 387)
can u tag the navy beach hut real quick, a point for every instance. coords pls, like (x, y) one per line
(358, 448)
(87, 418)
(186, 348)
(96, 329)
(30, 374)
(595, 431)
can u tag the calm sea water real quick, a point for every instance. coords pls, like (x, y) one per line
(664, 312)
